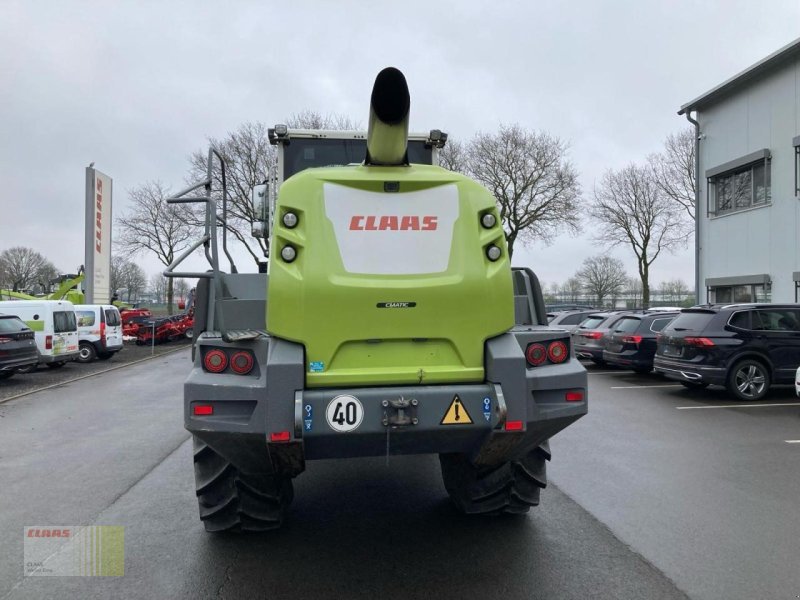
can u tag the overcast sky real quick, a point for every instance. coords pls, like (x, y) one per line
(137, 86)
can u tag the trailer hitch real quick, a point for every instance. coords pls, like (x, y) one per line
(400, 412)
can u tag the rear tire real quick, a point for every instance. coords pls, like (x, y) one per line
(748, 380)
(511, 488)
(230, 500)
(87, 353)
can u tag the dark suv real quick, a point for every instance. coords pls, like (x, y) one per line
(632, 341)
(589, 338)
(744, 347)
(17, 346)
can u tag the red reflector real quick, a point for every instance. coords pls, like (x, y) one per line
(632, 339)
(574, 396)
(279, 436)
(535, 354)
(699, 341)
(557, 352)
(242, 362)
(203, 409)
(215, 361)
(48, 342)
(513, 425)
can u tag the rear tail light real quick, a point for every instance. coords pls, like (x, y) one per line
(513, 425)
(202, 410)
(242, 362)
(592, 335)
(632, 339)
(48, 342)
(102, 332)
(557, 352)
(215, 361)
(536, 354)
(699, 341)
(279, 436)
(3, 340)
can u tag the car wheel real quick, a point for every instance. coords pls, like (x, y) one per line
(748, 380)
(6, 374)
(189, 333)
(693, 385)
(57, 365)
(87, 353)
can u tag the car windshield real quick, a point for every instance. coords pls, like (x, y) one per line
(690, 321)
(11, 325)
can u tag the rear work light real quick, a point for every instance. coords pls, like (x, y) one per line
(632, 339)
(215, 361)
(202, 410)
(699, 341)
(242, 362)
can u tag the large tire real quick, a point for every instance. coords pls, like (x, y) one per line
(513, 487)
(748, 380)
(234, 501)
(87, 353)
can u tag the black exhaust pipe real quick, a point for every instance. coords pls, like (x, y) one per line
(387, 133)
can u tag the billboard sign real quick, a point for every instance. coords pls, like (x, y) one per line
(98, 237)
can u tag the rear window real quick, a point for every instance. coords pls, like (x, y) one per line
(628, 325)
(112, 317)
(659, 324)
(85, 318)
(64, 322)
(12, 325)
(592, 322)
(572, 319)
(691, 321)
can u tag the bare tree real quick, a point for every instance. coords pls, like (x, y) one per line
(674, 170)
(311, 119)
(127, 276)
(572, 289)
(158, 287)
(674, 290)
(182, 288)
(602, 277)
(152, 225)
(536, 187)
(22, 267)
(454, 156)
(632, 210)
(634, 291)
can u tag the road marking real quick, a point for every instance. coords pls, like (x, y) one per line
(737, 406)
(55, 385)
(636, 387)
(792, 441)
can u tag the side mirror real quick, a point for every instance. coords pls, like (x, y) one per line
(260, 200)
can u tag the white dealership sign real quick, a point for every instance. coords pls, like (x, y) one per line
(97, 284)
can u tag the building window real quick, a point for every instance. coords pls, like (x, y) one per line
(735, 294)
(740, 184)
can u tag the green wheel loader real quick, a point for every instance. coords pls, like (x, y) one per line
(389, 322)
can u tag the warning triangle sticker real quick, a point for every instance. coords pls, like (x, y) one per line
(456, 414)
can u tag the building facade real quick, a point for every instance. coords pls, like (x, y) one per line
(748, 162)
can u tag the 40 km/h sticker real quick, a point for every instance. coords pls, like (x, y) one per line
(344, 413)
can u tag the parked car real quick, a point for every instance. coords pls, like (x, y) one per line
(589, 338)
(568, 320)
(797, 382)
(17, 346)
(99, 331)
(54, 325)
(632, 342)
(744, 347)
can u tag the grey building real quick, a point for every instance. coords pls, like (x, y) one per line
(748, 157)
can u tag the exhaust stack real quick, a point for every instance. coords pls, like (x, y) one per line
(387, 133)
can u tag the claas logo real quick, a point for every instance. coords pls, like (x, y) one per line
(393, 223)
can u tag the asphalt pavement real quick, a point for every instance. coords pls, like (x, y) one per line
(645, 501)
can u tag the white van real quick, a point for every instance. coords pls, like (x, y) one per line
(99, 331)
(55, 327)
